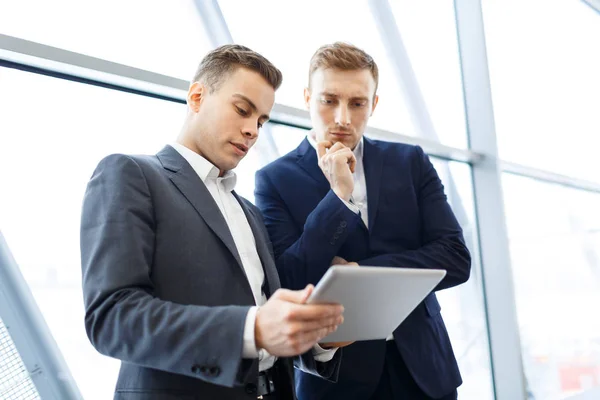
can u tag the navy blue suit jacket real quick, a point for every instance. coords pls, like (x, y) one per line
(410, 225)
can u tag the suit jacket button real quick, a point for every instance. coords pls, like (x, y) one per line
(214, 371)
(251, 388)
(343, 224)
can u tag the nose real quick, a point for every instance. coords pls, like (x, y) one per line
(342, 116)
(250, 132)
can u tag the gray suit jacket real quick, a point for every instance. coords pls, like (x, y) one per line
(164, 287)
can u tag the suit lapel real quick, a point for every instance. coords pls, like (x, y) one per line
(373, 164)
(268, 264)
(307, 160)
(194, 190)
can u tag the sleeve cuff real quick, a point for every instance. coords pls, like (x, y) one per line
(351, 206)
(249, 350)
(323, 355)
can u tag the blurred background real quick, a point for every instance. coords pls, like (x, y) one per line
(503, 95)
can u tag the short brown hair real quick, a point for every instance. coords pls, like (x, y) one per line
(344, 56)
(224, 60)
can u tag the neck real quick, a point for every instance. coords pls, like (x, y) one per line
(186, 139)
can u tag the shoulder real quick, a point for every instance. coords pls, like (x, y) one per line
(397, 153)
(395, 147)
(282, 165)
(124, 167)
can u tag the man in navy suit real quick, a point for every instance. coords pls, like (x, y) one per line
(340, 198)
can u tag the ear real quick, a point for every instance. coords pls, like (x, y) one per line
(195, 94)
(375, 101)
(307, 98)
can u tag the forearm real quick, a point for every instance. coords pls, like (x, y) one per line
(134, 327)
(450, 255)
(307, 259)
(329, 371)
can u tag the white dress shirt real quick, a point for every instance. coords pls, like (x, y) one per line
(221, 189)
(358, 199)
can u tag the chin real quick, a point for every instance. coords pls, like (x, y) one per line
(347, 141)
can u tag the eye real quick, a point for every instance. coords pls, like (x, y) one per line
(359, 104)
(241, 111)
(326, 101)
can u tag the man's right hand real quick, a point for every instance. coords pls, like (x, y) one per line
(337, 163)
(286, 326)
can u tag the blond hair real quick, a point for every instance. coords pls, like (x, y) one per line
(343, 56)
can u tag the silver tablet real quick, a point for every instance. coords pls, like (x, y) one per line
(375, 299)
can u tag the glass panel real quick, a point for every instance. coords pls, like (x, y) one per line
(290, 42)
(48, 150)
(287, 138)
(429, 35)
(463, 306)
(545, 83)
(554, 237)
(159, 36)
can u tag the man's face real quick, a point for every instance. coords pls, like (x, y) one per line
(224, 125)
(340, 104)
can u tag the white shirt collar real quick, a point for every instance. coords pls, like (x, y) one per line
(204, 168)
(358, 150)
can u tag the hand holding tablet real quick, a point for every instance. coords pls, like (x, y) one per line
(375, 299)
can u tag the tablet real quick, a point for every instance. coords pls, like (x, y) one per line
(375, 299)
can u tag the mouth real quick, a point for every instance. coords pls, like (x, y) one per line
(240, 149)
(340, 134)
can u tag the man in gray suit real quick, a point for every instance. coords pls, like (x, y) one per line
(177, 268)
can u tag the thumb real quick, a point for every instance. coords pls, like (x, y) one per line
(294, 296)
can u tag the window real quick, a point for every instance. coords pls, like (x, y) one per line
(159, 36)
(554, 235)
(463, 306)
(290, 42)
(54, 132)
(429, 35)
(545, 83)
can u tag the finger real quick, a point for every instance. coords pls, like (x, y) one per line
(299, 328)
(322, 148)
(338, 260)
(337, 146)
(329, 345)
(294, 296)
(308, 291)
(311, 338)
(338, 149)
(343, 158)
(314, 312)
(352, 163)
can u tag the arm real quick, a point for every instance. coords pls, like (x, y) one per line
(123, 318)
(314, 246)
(309, 363)
(443, 243)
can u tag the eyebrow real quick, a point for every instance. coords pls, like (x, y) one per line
(251, 104)
(327, 94)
